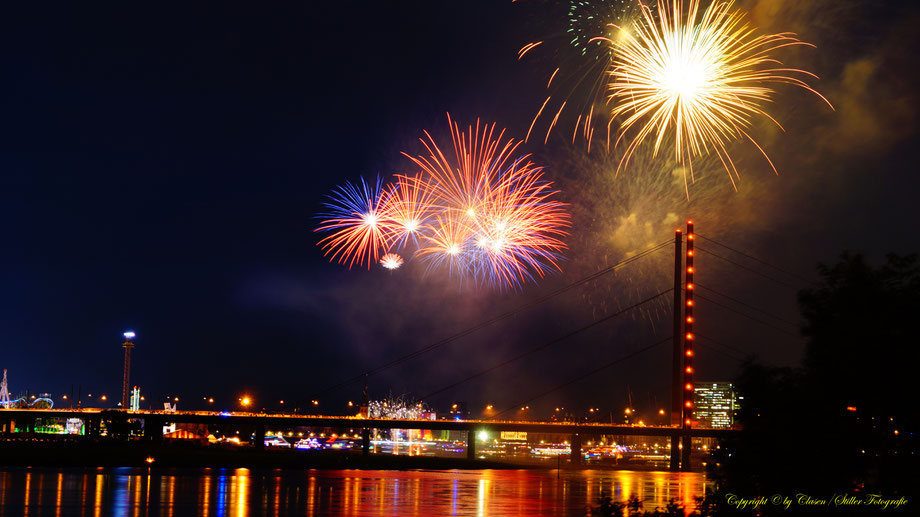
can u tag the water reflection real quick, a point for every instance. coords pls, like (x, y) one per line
(242, 493)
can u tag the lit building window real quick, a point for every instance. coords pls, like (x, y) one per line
(715, 404)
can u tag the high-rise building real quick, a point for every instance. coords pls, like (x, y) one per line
(135, 399)
(715, 404)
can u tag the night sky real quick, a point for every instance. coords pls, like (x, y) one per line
(163, 165)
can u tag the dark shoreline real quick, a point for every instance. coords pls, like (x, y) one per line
(109, 453)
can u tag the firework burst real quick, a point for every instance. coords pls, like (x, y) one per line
(498, 220)
(699, 79)
(474, 212)
(359, 230)
(396, 408)
(522, 230)
(391, 261)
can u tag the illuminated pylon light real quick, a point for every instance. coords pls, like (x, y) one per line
(688, 338)
(688, 328)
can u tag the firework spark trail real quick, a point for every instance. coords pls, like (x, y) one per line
(699, 79)
(408, 205)
(466, 180)
(446, 243)
(577, 83)
(524, 226)
(359, 230)
(590, 19)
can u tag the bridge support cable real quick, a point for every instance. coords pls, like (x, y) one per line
(513, 312)
(755, 259)
(725, 353)
(729, 348)
(748, 316)
(544, 345)
(748, 306)
(749, 269)
(583, 376)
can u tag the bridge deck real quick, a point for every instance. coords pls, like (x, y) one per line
(291, 420)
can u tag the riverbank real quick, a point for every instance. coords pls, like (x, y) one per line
(104, 453)
(112, 453)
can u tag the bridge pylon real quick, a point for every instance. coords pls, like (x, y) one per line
(688, 338)
(676, 351)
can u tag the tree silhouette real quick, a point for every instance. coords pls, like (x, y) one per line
(847, 420)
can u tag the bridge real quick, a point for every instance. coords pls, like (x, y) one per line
(257, 423)
(682, 370)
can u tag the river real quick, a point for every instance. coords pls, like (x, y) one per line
(141, 492)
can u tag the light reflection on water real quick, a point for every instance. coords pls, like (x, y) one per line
(129, 492)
